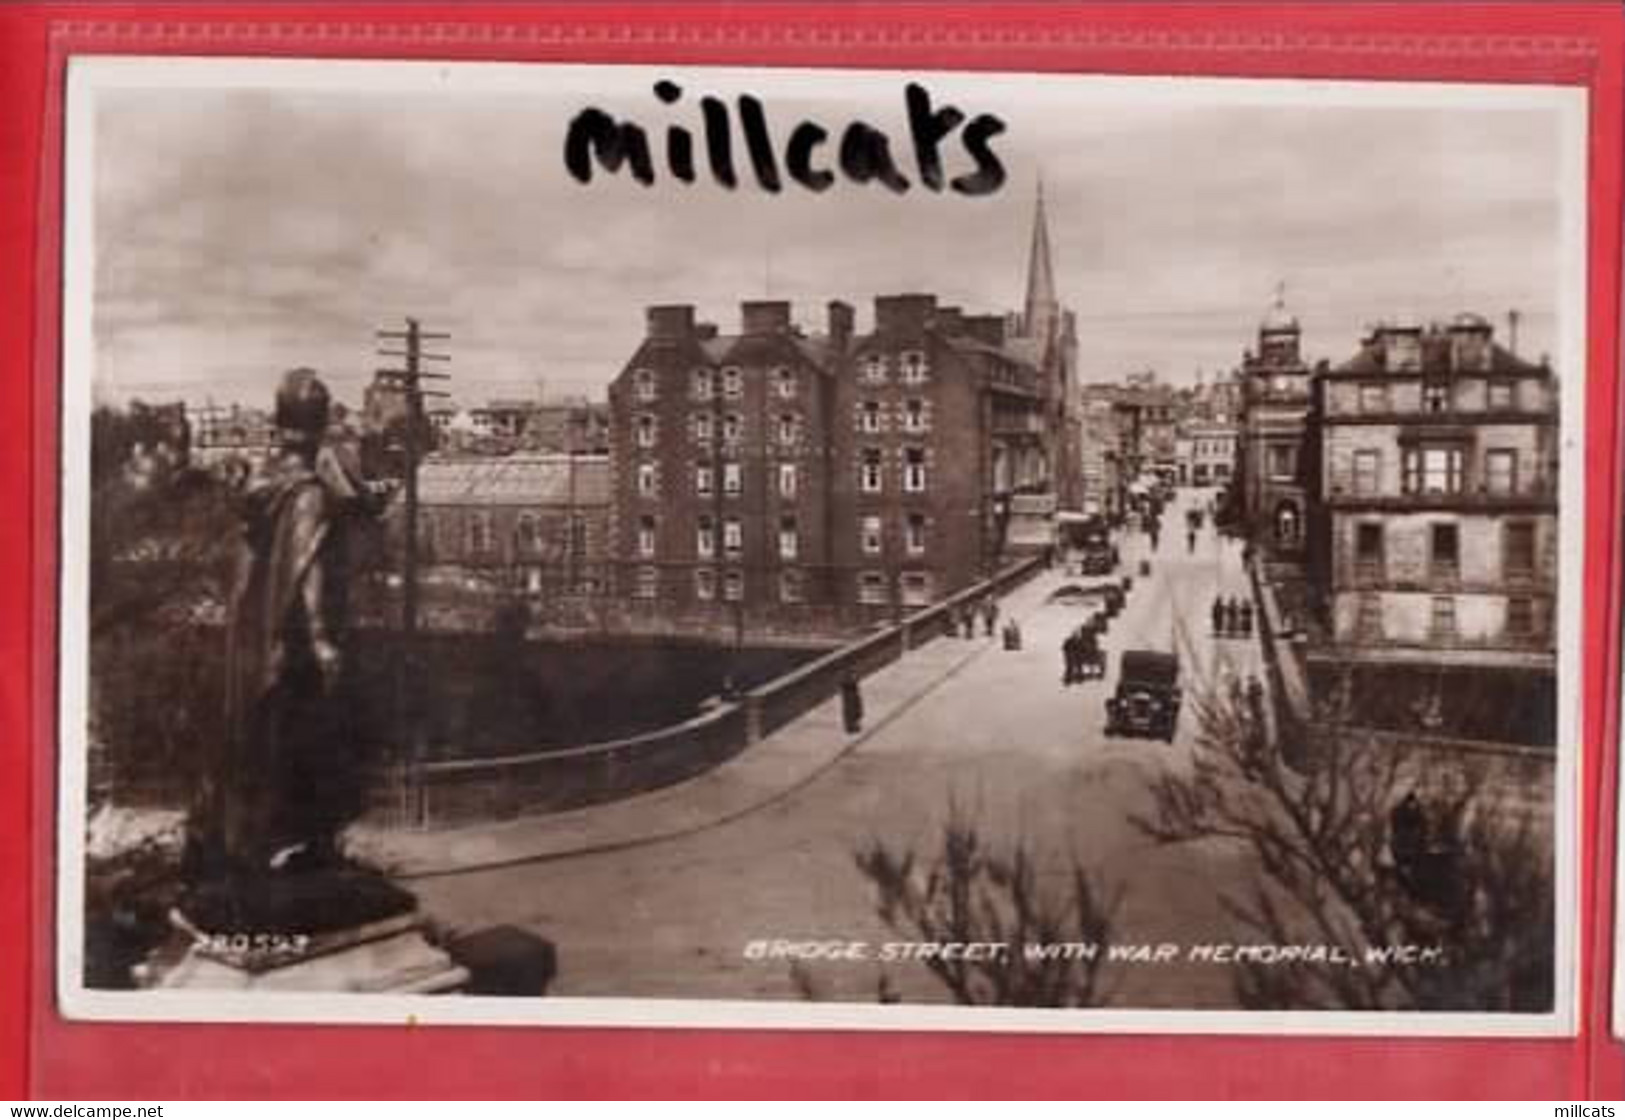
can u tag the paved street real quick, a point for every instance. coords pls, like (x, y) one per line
(1020, 753)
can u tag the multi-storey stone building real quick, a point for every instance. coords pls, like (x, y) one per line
(721, 445)
(1207, 453)
(773, 468)
(943, 424)
(1102, 482)
(1440, 491)
(777, 469)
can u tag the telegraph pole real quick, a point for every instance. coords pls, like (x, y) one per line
(409, 380)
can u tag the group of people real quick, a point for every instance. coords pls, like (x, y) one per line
(962, 618)
(961, 623)
(1080, 652)
(1232, 617)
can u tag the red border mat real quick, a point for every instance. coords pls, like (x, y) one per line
(46, 1056)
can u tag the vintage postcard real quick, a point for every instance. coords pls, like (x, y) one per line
(815, 548)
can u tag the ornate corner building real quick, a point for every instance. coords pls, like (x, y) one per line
(1406, 501)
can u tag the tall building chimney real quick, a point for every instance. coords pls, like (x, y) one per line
(765, 316)
(672, 321)
(841, 320)
(906, 314)
(1512, 330)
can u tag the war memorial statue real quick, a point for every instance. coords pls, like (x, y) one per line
(284, 779)
(269, 898)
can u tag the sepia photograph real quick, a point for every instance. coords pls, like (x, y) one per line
(635, 545)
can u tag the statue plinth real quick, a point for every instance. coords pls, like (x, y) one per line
(340, 930)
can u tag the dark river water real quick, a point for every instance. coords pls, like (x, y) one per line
(157, 696)
(487, 695)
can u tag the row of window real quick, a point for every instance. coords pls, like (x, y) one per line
(733, 479)
(1500, 395)
(703, 426)
(912, 368)
(787, 479)
(912, 416)
(480, 536)
(1442, 625)
(729, 382)
(646, 585)
(871, 475)
(872, 470)
(1444, 549)
(913, 587)
(1438, 470)
(871, 536)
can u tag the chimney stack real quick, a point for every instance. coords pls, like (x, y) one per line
(765, 316)
(904, 314)
(1512, 330)
(986, 328)
(672, 321)
(841, 322)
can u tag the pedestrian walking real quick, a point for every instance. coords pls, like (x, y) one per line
(1246, 618)
(1255, 733)
(1218, 616)
(967, 622)
(990, 614)
(1069, 659)
(1190, 540)
(1012, 635)
(851, 703)
(1255, 699)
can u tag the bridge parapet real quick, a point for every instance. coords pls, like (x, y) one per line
(461, 791)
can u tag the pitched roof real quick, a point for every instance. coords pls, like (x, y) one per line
(527, 480)
(724, 348)
(1010, 352)
(1370, 360)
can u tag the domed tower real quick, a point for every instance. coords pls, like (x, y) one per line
(1278, 361)
(1277, 457)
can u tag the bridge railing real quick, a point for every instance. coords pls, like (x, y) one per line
(455, 791)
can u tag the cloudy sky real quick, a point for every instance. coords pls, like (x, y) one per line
(241, 231)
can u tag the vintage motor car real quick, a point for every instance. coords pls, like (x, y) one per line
(1099, 555)
(1146, 702)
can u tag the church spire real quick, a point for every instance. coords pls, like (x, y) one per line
(1043, 310)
